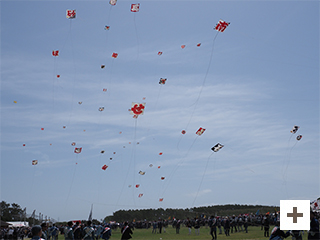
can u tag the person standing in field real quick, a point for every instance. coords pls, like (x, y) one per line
(189, 225)
(197, 226)
(88, 232)
(178, 226)
(77, 231)
(68, 232)
(154, 227)
(126, 232)
(314, 227)
(266, 225)
(36, 232)
(213, 227)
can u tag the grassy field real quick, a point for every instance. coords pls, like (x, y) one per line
(253, 233)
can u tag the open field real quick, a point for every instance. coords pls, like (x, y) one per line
(254, 233)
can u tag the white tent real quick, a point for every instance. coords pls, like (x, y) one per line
(19, 224)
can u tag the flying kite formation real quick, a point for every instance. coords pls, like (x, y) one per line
(137, 109)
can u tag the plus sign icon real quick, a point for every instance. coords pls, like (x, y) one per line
(294, 215)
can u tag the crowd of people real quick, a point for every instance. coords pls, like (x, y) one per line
(215, 225)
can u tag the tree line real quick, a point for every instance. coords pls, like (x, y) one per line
(169, 213)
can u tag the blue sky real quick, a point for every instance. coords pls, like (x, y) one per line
(247, 86)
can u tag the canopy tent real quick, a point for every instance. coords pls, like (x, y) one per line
(19, 224)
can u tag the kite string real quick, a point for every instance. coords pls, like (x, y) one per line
(283, 173)
(135, 27)
(201, 88)
(178, 165)
(134, 158)
(74, 75)
(288, 162)
(74, 173)
(204, 80)
(205, 170)
(127, 174)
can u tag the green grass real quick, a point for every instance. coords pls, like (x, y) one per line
(254, 233)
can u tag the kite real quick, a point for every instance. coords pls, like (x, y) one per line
(159, 53)
(24, 144)
(106, 27)
(162, 178)
(114, 152)
(140, 195)
(77, 150)
(71, 14)
(217, 147)
(55, 53)
(142, 173)
(103, 66)
(104, 89)
(129, 185)
(64, 127)
(150, 165)
(102, 151)
(104, 167)
(14, 101)
(160, 153)
(42, 129)
(135, 7)
(113, 2)
(73, 143)
(183, 131)
(183, 46)
(162, 81)
(221, 26)
(101, 109)
(137, 108)
(159, 167)
(294, 129)
(137, 185)
(299, 137)
(110, 158)
(199, 44)
(58, 76)
(34, 162)
(160, 199)
(80, 103)
(200, 131)
(114, 55)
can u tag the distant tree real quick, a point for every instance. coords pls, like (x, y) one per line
(16, 212)
(5, 212)
(11, 213)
